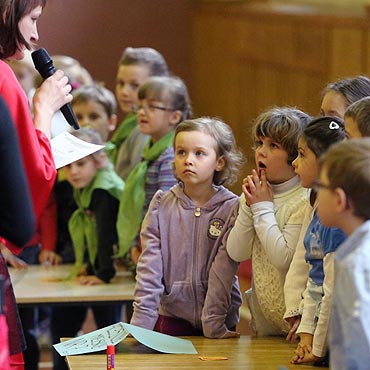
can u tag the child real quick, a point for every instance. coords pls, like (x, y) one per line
(357, 119)
(95, 107)
(343, 201)
(164, 102)
(135, 67)
(319, 243)
(270, 216)
(97, 189)
(337, 96)
(185, 282)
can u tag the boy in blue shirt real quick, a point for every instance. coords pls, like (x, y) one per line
(343, 201)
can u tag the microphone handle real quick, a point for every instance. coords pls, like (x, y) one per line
(69, 116)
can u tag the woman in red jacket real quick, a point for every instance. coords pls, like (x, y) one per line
(18, 30)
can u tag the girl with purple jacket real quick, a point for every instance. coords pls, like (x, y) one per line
(185, 282)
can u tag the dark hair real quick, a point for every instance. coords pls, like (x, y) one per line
(347, 166)
(12, 11)
(359, 111)
(283, 124)
(322, 132)
(352, 88)
(145, 56)
(169, 90)
(226, 146)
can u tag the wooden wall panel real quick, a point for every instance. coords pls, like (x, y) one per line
(246, 61)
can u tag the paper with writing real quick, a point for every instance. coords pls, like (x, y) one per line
(113, 334)
(67, 148)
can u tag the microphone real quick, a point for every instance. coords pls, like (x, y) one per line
(44, 65)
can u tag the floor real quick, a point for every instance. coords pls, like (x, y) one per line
(243, 327)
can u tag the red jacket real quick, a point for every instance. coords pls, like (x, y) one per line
(35, 146)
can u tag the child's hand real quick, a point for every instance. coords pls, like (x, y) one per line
(90, 280)
(308, 357)
(294, 322)
(256, 189)
(231, 334)
(304, 348)
(135, 253)
(49, 258)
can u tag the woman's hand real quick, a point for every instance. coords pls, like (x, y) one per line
(54, 92)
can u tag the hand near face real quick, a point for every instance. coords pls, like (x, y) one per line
(256, 189)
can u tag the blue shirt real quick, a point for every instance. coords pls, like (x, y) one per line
(350, 319)
(318, 241)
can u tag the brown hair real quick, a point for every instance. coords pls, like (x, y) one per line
(12, 11)
(98, 94)
(351, 88)
(284, 125)
(347, 165)
(149, 57)
(225, 142)
(169, 90)
(359, 111)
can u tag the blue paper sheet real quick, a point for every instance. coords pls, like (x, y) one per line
(113, 334)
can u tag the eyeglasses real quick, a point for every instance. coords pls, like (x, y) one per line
(149, 108)
(318, 185)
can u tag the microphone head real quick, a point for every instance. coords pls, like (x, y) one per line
(43, 62)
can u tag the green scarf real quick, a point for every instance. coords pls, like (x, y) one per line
(130, 214)
(121, 134)
(82, 224)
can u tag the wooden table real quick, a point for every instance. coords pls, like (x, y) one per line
(245, 353)
(40, 284)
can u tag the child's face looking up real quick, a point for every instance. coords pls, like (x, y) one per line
(351, 128)
(196, 159)
(305, 165)
(92, 114)
(272, 158)
(80, 173)
(333, 104)
(128, 80)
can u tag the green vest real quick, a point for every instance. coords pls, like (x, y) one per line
(121, 134)
(130, 214)
(82, 224)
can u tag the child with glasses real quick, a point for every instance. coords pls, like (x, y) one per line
(343, 201)
(186, 282)
(270, 216)
(319, 242)
(163, 104)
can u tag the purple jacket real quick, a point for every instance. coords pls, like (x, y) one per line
(184, 270)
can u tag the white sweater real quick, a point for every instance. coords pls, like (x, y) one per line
(268, 233)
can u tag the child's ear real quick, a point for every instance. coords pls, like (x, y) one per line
(112, 122)
(220, 165)
(342, 201)
(175, 117)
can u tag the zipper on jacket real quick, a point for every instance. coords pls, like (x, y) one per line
(195, 262)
